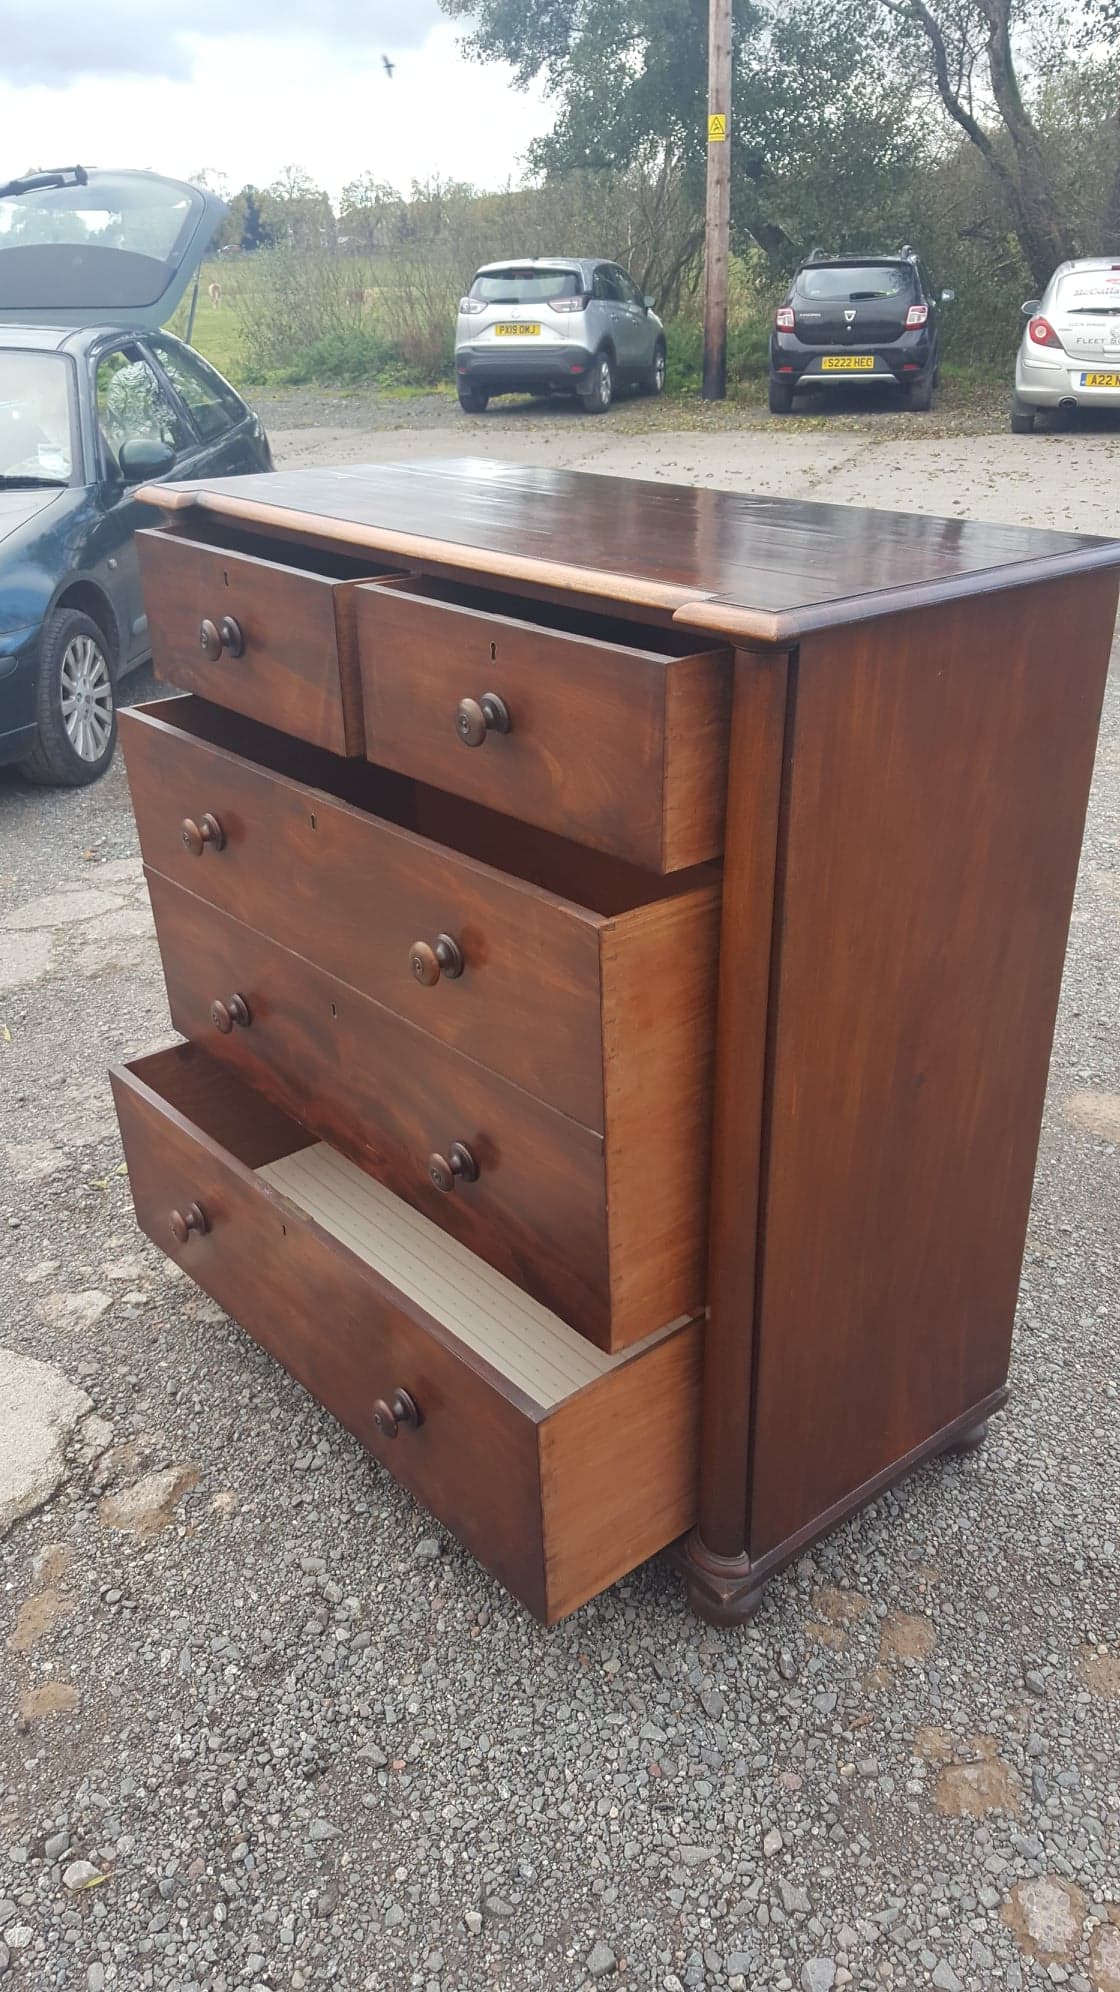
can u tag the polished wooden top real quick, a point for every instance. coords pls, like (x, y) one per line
(759, 570)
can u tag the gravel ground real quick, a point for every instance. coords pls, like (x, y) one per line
(262, 1724)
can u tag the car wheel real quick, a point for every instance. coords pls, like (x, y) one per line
(77, 709)
(1022, 417)
(781, 398)
(920, 395)
(599, 392)
(472, 401)
(654, 382)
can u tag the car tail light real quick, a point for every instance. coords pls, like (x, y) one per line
(576, 303)
(917, 315)
(470, 305)
(1042, 333)
(785, 318)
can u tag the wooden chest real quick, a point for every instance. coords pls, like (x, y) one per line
(617, 932)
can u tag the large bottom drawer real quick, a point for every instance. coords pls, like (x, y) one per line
(560, 1466)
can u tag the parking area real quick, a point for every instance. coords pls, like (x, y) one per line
(262, 1724)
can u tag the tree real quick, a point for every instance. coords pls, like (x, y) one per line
(816, 101)
(971, 49)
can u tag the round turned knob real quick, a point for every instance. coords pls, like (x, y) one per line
(209, 640)
(429, 963)
(196, 836)
(458, 1164)
(183, 1222)
(475, 718)
(224, 1016)
(232, 636)
(389, 1414)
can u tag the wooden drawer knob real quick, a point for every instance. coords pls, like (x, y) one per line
(390, 1413)
(214, 637)
(197, 836)
(184, 1222)
(458, 1165)
(224, 1016)
(445, 957)
(476, 718)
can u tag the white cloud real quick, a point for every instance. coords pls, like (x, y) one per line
(249, 105)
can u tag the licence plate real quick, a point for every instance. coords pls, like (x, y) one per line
(849, 363)
(515, 331)
(1100, 380)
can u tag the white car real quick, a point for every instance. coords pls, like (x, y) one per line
(1069, 357)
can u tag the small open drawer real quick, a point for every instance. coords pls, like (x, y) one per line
(259, 624)
(611, 733)
(560, 1467)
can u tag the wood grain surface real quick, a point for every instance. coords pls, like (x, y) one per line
(533, 1491)
(768, 565)
(617, 739)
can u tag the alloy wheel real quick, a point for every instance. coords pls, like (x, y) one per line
(86, 697)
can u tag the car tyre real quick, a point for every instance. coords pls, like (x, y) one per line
(472, 401)
(76, 704)
(781, 398)
(920, 395)
(1022, 417)
(599, 392)
(654, 382)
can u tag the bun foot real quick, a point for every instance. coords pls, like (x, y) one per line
(721, 1589)
(970, 1441)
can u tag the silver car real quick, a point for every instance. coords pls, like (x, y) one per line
(556, 325)
(1069, 356)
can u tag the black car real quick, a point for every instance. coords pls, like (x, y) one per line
(95, 400)
(856, 319)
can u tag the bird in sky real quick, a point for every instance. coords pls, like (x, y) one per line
(388, 67)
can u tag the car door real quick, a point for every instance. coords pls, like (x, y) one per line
(129, 400)
(608, 311)
(634, 324)
(230, 437)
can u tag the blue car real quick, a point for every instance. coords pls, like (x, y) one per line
(95, 400)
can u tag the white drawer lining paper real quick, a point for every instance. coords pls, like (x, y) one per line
(534, 1349)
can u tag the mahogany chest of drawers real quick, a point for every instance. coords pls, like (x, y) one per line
(617, 933)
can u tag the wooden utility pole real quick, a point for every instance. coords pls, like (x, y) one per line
(717, 217)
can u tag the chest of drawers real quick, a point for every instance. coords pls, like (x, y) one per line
(616, 932)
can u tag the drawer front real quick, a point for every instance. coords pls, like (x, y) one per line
(614, 747)
(274, 642)
(397, 1100)
(366, 901)
(557, 1502)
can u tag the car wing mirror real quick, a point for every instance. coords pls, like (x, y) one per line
(649, 303)
(948, 296)
(1032, 307)
(142, 457)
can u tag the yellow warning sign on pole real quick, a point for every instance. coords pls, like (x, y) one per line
(717, 126)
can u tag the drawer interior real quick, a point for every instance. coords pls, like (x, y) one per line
(525, 1345)
(330, 563)
(564, 617)
(604, 885)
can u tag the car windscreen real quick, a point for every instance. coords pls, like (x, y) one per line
(53, 242)
(854, 280)
(1091, 291)
(515, 286)
(36, 432)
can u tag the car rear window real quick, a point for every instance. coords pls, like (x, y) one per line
(854, 280)
(1089, 290)
(526, 286)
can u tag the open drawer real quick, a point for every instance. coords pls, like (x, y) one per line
(261, 625)
(611, 733)
(558, 1466)
(570, 973)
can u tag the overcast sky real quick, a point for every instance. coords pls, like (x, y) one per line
(180, 84)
